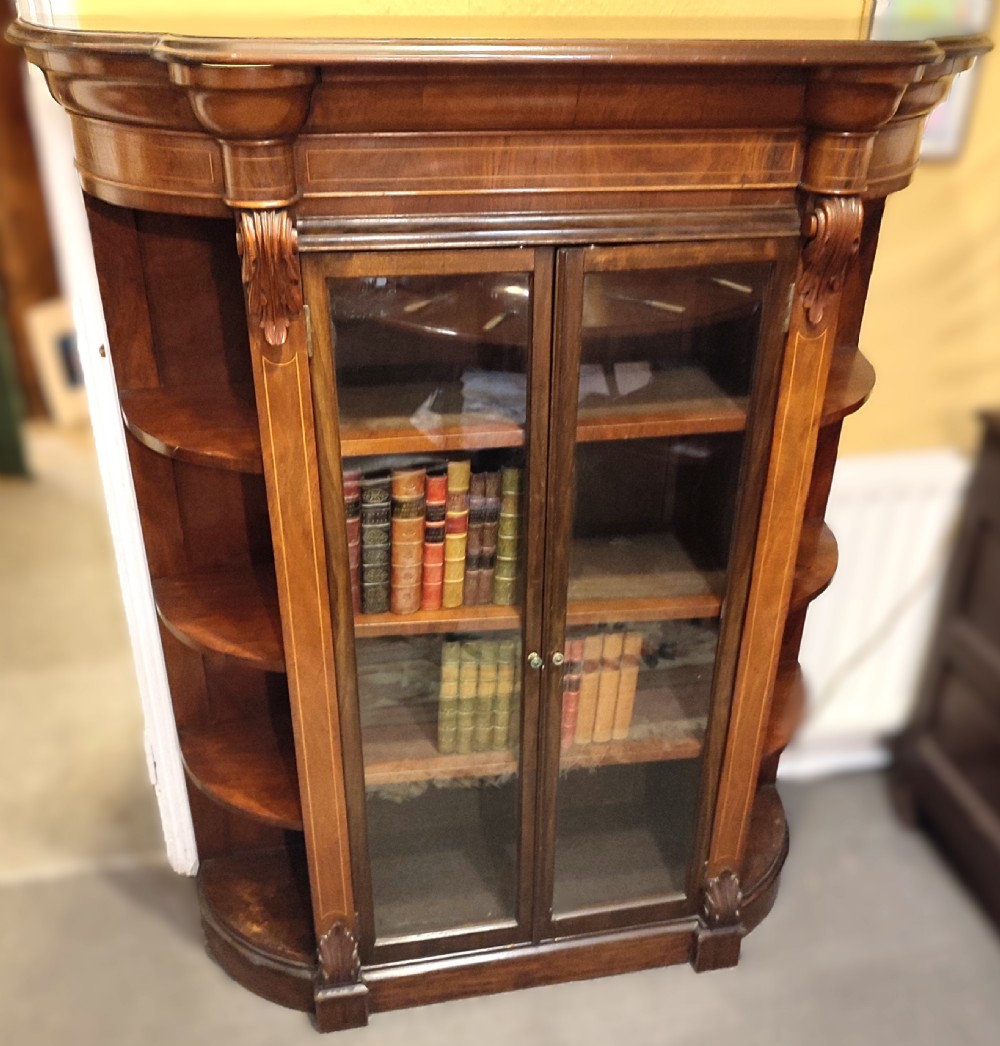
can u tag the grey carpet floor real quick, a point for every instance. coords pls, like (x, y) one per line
(871, 940)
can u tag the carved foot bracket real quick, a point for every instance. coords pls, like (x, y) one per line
(717, 944)
(340, 995)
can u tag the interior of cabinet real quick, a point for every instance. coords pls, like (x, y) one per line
(178, 343)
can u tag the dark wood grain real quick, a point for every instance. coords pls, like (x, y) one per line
(816, 563)
(216, 428)
(230, 612)
(247, 765)
(549, 159)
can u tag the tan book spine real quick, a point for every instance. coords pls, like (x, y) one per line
(628, 682)
(482, 736)
(607, 686)
(587, 703)
(468, 690)
(448, 697)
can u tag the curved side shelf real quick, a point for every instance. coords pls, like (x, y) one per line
(232, 612)
(816, 563)
(852, 379)
(788, 707)
(247, 766)
(766, 852)
(214, 427)
(257, 919)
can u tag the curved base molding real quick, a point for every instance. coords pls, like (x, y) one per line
(259, 929)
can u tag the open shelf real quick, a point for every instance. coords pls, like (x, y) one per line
(213, 426)
(852, 379)
(788, 706)
(247, 766)
(816, 563)
(261, 898)
(233, 612)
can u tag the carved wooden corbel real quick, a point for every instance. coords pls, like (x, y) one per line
(833, 236)
(722, 900)
(268, 245)
(339, 961)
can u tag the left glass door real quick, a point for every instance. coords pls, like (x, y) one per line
(431, 374)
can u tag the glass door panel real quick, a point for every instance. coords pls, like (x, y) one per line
(432, 361)
(668, 345)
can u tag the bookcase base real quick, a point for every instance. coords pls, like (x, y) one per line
(289, 978)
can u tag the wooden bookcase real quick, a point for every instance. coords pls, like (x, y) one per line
(653, 256)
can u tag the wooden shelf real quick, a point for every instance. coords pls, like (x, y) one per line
(262, 899)
(233, 612)
(216, 427)
(395, 419)
(651, 576)
(400, 744)
(247, 766)
(788, 707)
(676, 402)
(816, 563)
(488, 618)
(852, 379)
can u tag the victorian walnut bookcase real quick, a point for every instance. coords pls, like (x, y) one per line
(583, 314)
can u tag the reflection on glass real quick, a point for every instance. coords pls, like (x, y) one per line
(664, 347)
(431, 377)
(431, 362)
(666, 370)
(440, 722)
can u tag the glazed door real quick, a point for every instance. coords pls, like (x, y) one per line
(431, 375)
(663, 384)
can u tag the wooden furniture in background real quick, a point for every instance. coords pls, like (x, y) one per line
(310, 252)
(947, 772)
(27, 267)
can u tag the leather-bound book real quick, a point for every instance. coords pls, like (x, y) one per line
(506, 670)
(482, 735)
(587, 710)
(477, 508)
(572, 674)
(435, 501)
(456, 533)
(408, 515)
(376, 509)
(468, 691)
(448, 697)
(352, 516)
(607, 686)
(628, 682)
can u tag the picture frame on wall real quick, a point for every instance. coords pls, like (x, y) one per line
(52, 337)
(944, 133)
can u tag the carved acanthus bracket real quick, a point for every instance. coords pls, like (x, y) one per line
(722, 900)
(339, 961)
(268, 245)
(833, 236)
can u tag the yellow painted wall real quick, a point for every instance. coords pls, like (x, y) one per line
(238, 10)
(932, 326)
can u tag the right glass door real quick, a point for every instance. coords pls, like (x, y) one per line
(660, 354)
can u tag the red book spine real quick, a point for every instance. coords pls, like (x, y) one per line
(572, 675)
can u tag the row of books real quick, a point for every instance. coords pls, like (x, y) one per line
(439, 535)
(599, 686)
(479, 695)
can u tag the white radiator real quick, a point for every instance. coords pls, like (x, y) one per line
(866, 638)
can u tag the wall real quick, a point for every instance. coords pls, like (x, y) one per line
(932, 326)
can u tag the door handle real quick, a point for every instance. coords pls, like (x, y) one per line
(558, 658)
(535, 660)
